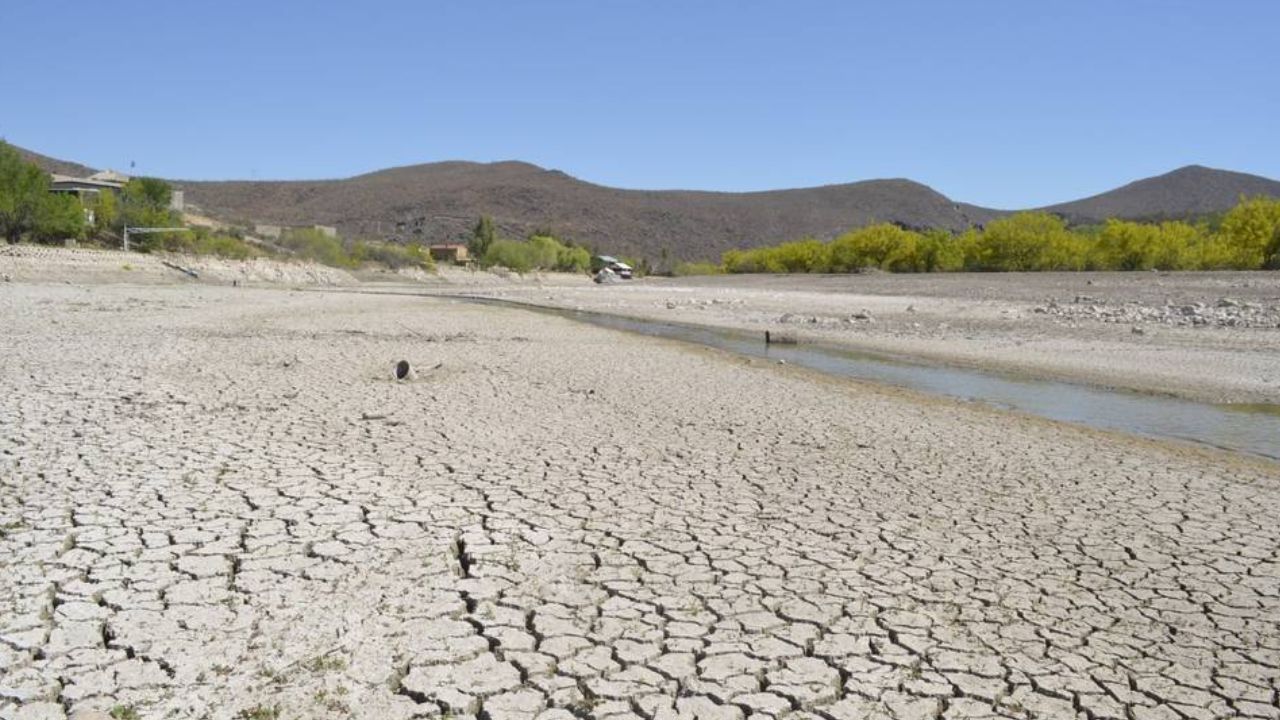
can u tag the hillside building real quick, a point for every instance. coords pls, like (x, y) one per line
(455, 253)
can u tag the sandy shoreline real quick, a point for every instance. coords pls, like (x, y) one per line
(215, 500)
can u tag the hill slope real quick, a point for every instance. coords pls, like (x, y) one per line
(1186, 192)
(54, 165)
(443, 200)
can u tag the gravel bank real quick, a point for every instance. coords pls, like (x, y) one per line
(215, 501)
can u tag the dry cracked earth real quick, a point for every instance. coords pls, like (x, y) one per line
(216, 503)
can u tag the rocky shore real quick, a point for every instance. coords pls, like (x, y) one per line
(1223, 312)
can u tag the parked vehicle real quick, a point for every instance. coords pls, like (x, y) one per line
(616, 267)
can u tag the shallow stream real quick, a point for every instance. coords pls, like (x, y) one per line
(1253, 429)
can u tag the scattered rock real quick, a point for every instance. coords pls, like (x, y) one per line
(1225, 312)
(404, 371)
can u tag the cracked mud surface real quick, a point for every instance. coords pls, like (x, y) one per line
(216, 503)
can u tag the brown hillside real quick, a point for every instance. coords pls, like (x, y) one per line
(54, 165)
(441, 201)
(1184, 193)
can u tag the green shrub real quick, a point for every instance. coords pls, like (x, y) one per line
(59, 216)
(510, 254)
(225, 246)
(1124, 245)
(573, 259)
(28, 209)
(392, 255)
(540, 252)
(1250, 230)
(874, 246)
(312, 244)
(940, 251)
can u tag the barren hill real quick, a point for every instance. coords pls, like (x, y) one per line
(443, 200)
(1186, 192)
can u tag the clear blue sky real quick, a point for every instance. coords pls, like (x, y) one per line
(1008, 103)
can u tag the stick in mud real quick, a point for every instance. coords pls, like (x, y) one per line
(773, 337)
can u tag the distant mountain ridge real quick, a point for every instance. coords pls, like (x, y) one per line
(441, 201)
(1186, 192)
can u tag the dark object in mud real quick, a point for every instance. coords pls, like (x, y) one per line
(403, 371)
(773, 337)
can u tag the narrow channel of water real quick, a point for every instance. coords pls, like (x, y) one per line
(1253, 429)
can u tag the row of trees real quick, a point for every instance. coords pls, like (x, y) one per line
(1246, 238)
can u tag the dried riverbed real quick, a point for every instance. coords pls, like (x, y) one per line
(216, 502)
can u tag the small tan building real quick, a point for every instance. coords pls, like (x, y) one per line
(449, 252)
